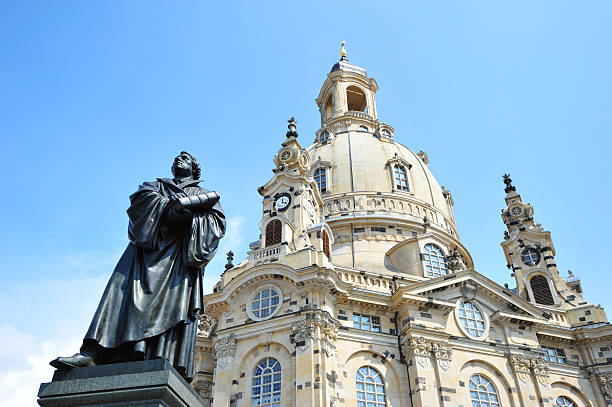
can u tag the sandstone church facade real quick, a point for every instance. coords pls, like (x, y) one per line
(359, 292)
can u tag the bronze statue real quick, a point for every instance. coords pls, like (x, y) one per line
(150, 306)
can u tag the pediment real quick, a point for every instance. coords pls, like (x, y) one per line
(506, 305)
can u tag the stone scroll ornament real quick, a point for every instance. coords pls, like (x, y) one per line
(150, 307)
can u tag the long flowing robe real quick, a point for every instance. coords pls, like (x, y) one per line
(150, 306)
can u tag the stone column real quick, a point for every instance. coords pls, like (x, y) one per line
(418, 354)
(303, 338)
(603, 383)
(442, 352)
(531, 378)
(224, 348)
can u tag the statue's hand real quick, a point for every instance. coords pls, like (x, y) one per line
(177, 214)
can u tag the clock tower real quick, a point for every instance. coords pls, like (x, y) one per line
(530, 254)
(291, 223)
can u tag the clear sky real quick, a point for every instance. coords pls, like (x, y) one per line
(98, 96)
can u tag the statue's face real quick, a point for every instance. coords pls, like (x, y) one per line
(182, 165)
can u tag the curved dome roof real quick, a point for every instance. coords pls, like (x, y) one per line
(361, 162)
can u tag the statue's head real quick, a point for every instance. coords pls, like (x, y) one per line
(186, 165)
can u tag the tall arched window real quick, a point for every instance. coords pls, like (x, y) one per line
(563, 401)
(401, 177)
(435, 262)
(356, 99)
(274, 232)
(370, 388)
(482, 392)
(326, 244)
(541, 290)
(267, 383)
(320, 176)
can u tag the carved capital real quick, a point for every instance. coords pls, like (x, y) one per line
(605, 383)
(224, 346)
(420, 350)
(303, 329)
(539, 367)
(520, 366)
(443, 352)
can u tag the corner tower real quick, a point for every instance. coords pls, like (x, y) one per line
(530, 254)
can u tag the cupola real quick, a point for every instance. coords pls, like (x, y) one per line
(347, 92)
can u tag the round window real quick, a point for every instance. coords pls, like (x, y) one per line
(530, 256)
(471, 320)
(264, 303)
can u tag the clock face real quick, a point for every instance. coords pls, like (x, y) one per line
(516, 211)
(282, 201)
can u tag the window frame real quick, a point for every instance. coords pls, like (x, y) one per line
(272, 241)
(565, 400)
(254, 294)
(558, 354)
(540, 287)
(370, 322)
(400, 177)
(262, 383)
(487, 391)
(466, 330)
(425, 253)
(378, 385)
(322, 177)
(402, 163)
(530, 256)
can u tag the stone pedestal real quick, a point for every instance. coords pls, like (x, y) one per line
(151, 383)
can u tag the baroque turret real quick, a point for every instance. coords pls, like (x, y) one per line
(530, 254)
(291, 218)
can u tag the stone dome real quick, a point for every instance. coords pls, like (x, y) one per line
(375, 190)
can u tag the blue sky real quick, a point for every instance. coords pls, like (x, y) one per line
(99, 96)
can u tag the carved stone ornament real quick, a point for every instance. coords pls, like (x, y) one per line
(303, 329)
(423, 156)
(520, 366)
(203, 387)
(523, 366)
(539, 367)
(206, 325)
(224, 346)
(420, 349)
(454, 261)
(442, 352)
(605, 382)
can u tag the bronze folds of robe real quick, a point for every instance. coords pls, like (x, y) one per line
(150, 306)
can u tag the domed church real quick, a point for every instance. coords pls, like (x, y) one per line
(359, 292)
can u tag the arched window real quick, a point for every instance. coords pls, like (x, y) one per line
(320, 176)
(370, 388)
(385, 133)
(328, 107)
(267, 383)
(326, 245)
(356, 99)
(563, 401)
(363, 128)
(541, 290)
(435, 262)
(401, 177)
(274, 232)
(482, 392)
(471, 319)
